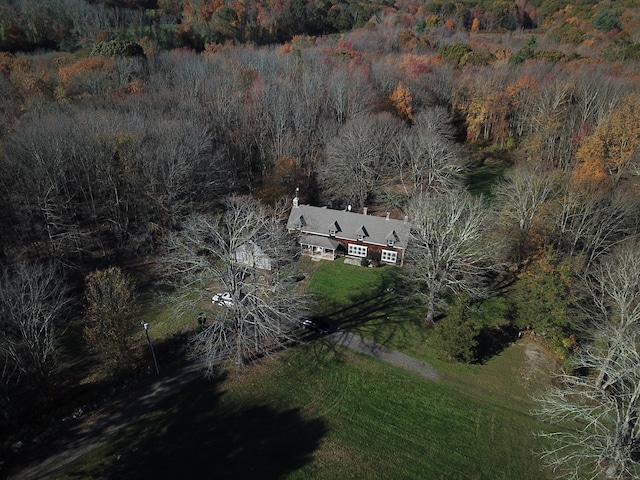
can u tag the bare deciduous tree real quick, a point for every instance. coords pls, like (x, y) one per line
(33, 301)
(448, 251)
(349, 95)
(262, 307)
(601, 433)
(355, 159)
(36, 162)
(519, 199)
(180, 164)
(589, 221)
(426, 157)
(613, 290)
(597, 403)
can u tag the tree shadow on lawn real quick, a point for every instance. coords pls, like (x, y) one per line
(195, 434)
(492, 340)
(383, 316)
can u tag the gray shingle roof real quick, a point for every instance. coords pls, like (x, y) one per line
(318, 241)
(348, 225)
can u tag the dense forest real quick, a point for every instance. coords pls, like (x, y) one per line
(122, 119)
(70, 25)
(99, 160)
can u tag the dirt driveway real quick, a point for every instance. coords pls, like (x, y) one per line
(392, 357)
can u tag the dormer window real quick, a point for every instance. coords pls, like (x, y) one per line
(334, 228)
(361, 233)
(392, 238)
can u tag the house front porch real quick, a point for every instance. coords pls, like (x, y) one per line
(320, 248)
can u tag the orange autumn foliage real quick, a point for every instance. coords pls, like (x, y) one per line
(68, 73)
(401, 99)
(135, 87)
(287, 48)
(503, 54)
(589, 174)
(32, 84)
(526, 82)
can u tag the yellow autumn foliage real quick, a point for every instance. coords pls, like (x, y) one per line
(616, 139)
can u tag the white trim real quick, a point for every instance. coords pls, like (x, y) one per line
(357, 250)
(389, 256)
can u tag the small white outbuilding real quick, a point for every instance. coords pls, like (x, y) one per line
(251, 255)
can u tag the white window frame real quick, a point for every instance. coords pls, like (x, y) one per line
(357, 250)
(389, 256)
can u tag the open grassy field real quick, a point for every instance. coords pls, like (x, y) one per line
(319, 411)
(316, 413)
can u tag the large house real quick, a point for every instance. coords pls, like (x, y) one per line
(326, 233)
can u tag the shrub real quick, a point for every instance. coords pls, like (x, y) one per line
(525, 53)
(455, 52)
(456, 335)
(568, 33)
(117, 48)
(477, 58)
(111, 312)
(621, 52)
(541, 299)
(605, 20)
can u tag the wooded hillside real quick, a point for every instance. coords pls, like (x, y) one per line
(121, 120)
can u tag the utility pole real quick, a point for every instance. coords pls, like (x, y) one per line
(153, 354)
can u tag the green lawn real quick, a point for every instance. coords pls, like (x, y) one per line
(481, 180)
(165, 321)
(319, 411)
(355, 298)
(337, 285)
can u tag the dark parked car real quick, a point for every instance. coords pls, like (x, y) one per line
(315, 324)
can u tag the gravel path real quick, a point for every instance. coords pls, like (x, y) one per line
(98, 427)
(393, 357)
